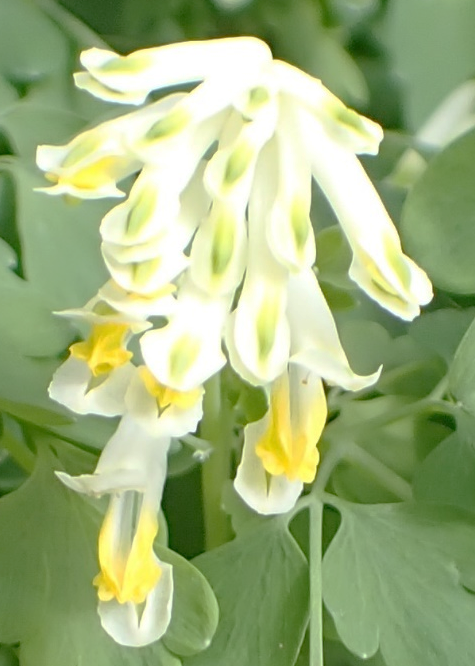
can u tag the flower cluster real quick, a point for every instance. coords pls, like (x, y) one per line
(214, 242)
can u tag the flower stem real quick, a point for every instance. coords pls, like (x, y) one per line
(315, 568)
(386, 476)
(215, 428)
(330, 461)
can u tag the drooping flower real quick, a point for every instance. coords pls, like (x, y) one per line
(94, 378)
(280, 450)
(135, 588)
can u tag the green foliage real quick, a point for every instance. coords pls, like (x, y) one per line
(433, 50)
(48, 603)
(260, 581)
(392, 579)
(438, 220)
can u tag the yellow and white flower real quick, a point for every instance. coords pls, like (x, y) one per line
(161, 410)
(135, 589)
(280, 450)
(94, 378)
(187, 351)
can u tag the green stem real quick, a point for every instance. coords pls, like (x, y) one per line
(335, 430)
(217, 468)
(386, 476)
(330, 461)
(316, 592)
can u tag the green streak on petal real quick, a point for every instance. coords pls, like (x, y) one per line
(349, 118)
(170, 124)
(144, 270)
(223, 243)
(182, 356)
(84, 146)
(141, 211)
(300, 223)
(237, 163)
(125, 64)
(266, 323)
(104, 309)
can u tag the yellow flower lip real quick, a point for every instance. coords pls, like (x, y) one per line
(104, 350)
(129, 567)
(288, 445)
(166, 396)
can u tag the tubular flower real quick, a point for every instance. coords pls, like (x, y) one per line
(134, 588)
(280, 450)
(160, 409)
(94, 378)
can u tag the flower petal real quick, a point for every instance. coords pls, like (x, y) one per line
(70, 386)
(315, 341)
(127, 625)
(137, 74)
(264, 493)
(187, 351)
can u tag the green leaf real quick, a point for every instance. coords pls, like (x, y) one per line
(60, 240)
(47, 562)
(33, 414)
(400, 446)
(447, 475)
(261, 583)
(31, 46)
(438, 218)
(392, 579)
(334, 257)
(27, 323)
(409, 368)
(462, 372)
(432, 47)
(195, 610)
(441, 331)
(28, 124)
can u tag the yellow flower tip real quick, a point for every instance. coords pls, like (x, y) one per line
(104, 350)
(128, 576)
(285, 447)
(166, 396)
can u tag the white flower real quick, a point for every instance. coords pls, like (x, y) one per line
(379, 266)
(161, 410)
(135, 588)
(187, 351)
(90, 165)
(94, 378)
(130, 79)
(280, 453)
(257, 336)
(315, 344)
(280, 450)
(137, 307)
